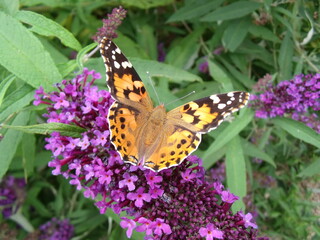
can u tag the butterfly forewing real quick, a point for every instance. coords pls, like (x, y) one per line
(123, 81)
(206, 114)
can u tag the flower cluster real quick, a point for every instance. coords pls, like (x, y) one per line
(12, 194)
(110, 24)
(177, 203)
(56, 229)
(297, 98)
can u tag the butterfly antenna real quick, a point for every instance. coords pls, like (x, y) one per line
(190, 93)
(154, 89)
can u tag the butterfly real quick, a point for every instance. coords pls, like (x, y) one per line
(150, 136)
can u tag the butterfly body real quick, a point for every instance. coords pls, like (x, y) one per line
(150, 136)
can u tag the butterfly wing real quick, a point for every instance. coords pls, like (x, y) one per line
(132, 100)
(186, 123)
(123, 81)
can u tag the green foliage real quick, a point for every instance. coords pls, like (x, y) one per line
(254, 38)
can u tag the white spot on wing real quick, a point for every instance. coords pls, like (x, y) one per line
(230, 94)
(118, 50)
(221, 106)
(126, 64)
(116, 64)
(229, 102)
(215, 99)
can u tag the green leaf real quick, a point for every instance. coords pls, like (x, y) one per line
(311, 170)
(148, 41)
(145, 4)
(16, 101)
(4, 85)
(253, 151)
(285, 58)
(194, 10)
(157, 69)
(10, 142)
(46, 27)
(298, 130)
(235, 33)
(264, 33)
(182, 54)
(47, 128)
(219, 74)
(232, 11)
(26, 59)
(9, 6)
(232, 130)
(236, 171)
(81, 57)
(28, 153)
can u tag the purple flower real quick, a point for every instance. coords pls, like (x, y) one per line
(139, 197)
(204, 67)
(297, 98)
(128, 181)
(56, 229)
(129, 224)
(188, 175)
(12, 195)
(172, 204)
(161, 227)
(211, 232)
(247, 220)
(228, 197)
(152, 179)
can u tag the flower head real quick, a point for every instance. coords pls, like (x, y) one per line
(172, 204)
(56, 229)
(110, 24)
(211, 232)
(297, 98)
(12, 194)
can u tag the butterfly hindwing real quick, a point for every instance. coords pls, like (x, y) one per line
(123, 81)
(123, 124)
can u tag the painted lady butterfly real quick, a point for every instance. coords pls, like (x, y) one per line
(151, 136)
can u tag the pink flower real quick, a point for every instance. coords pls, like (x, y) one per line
(128, 223)
(128, 181)
(247, 220)
(161, 227)
(139, 197)
(211, 232)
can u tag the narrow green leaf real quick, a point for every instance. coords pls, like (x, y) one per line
(213, 158)
(182, 54)
(219, 74)
(194, 10)
(298, 130)
(47, 128)
(26, 59)
(145, 4)
(28, 153)
(15, 101)
(232, 11)
(255, 152)
(311, 170)
(232, 130)
(10, 142)
(81, 57)
(235, 33)
(285, 58)
(147, 40)
(264, 33)
(47, 27)
(4, 85)
(236, 171)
